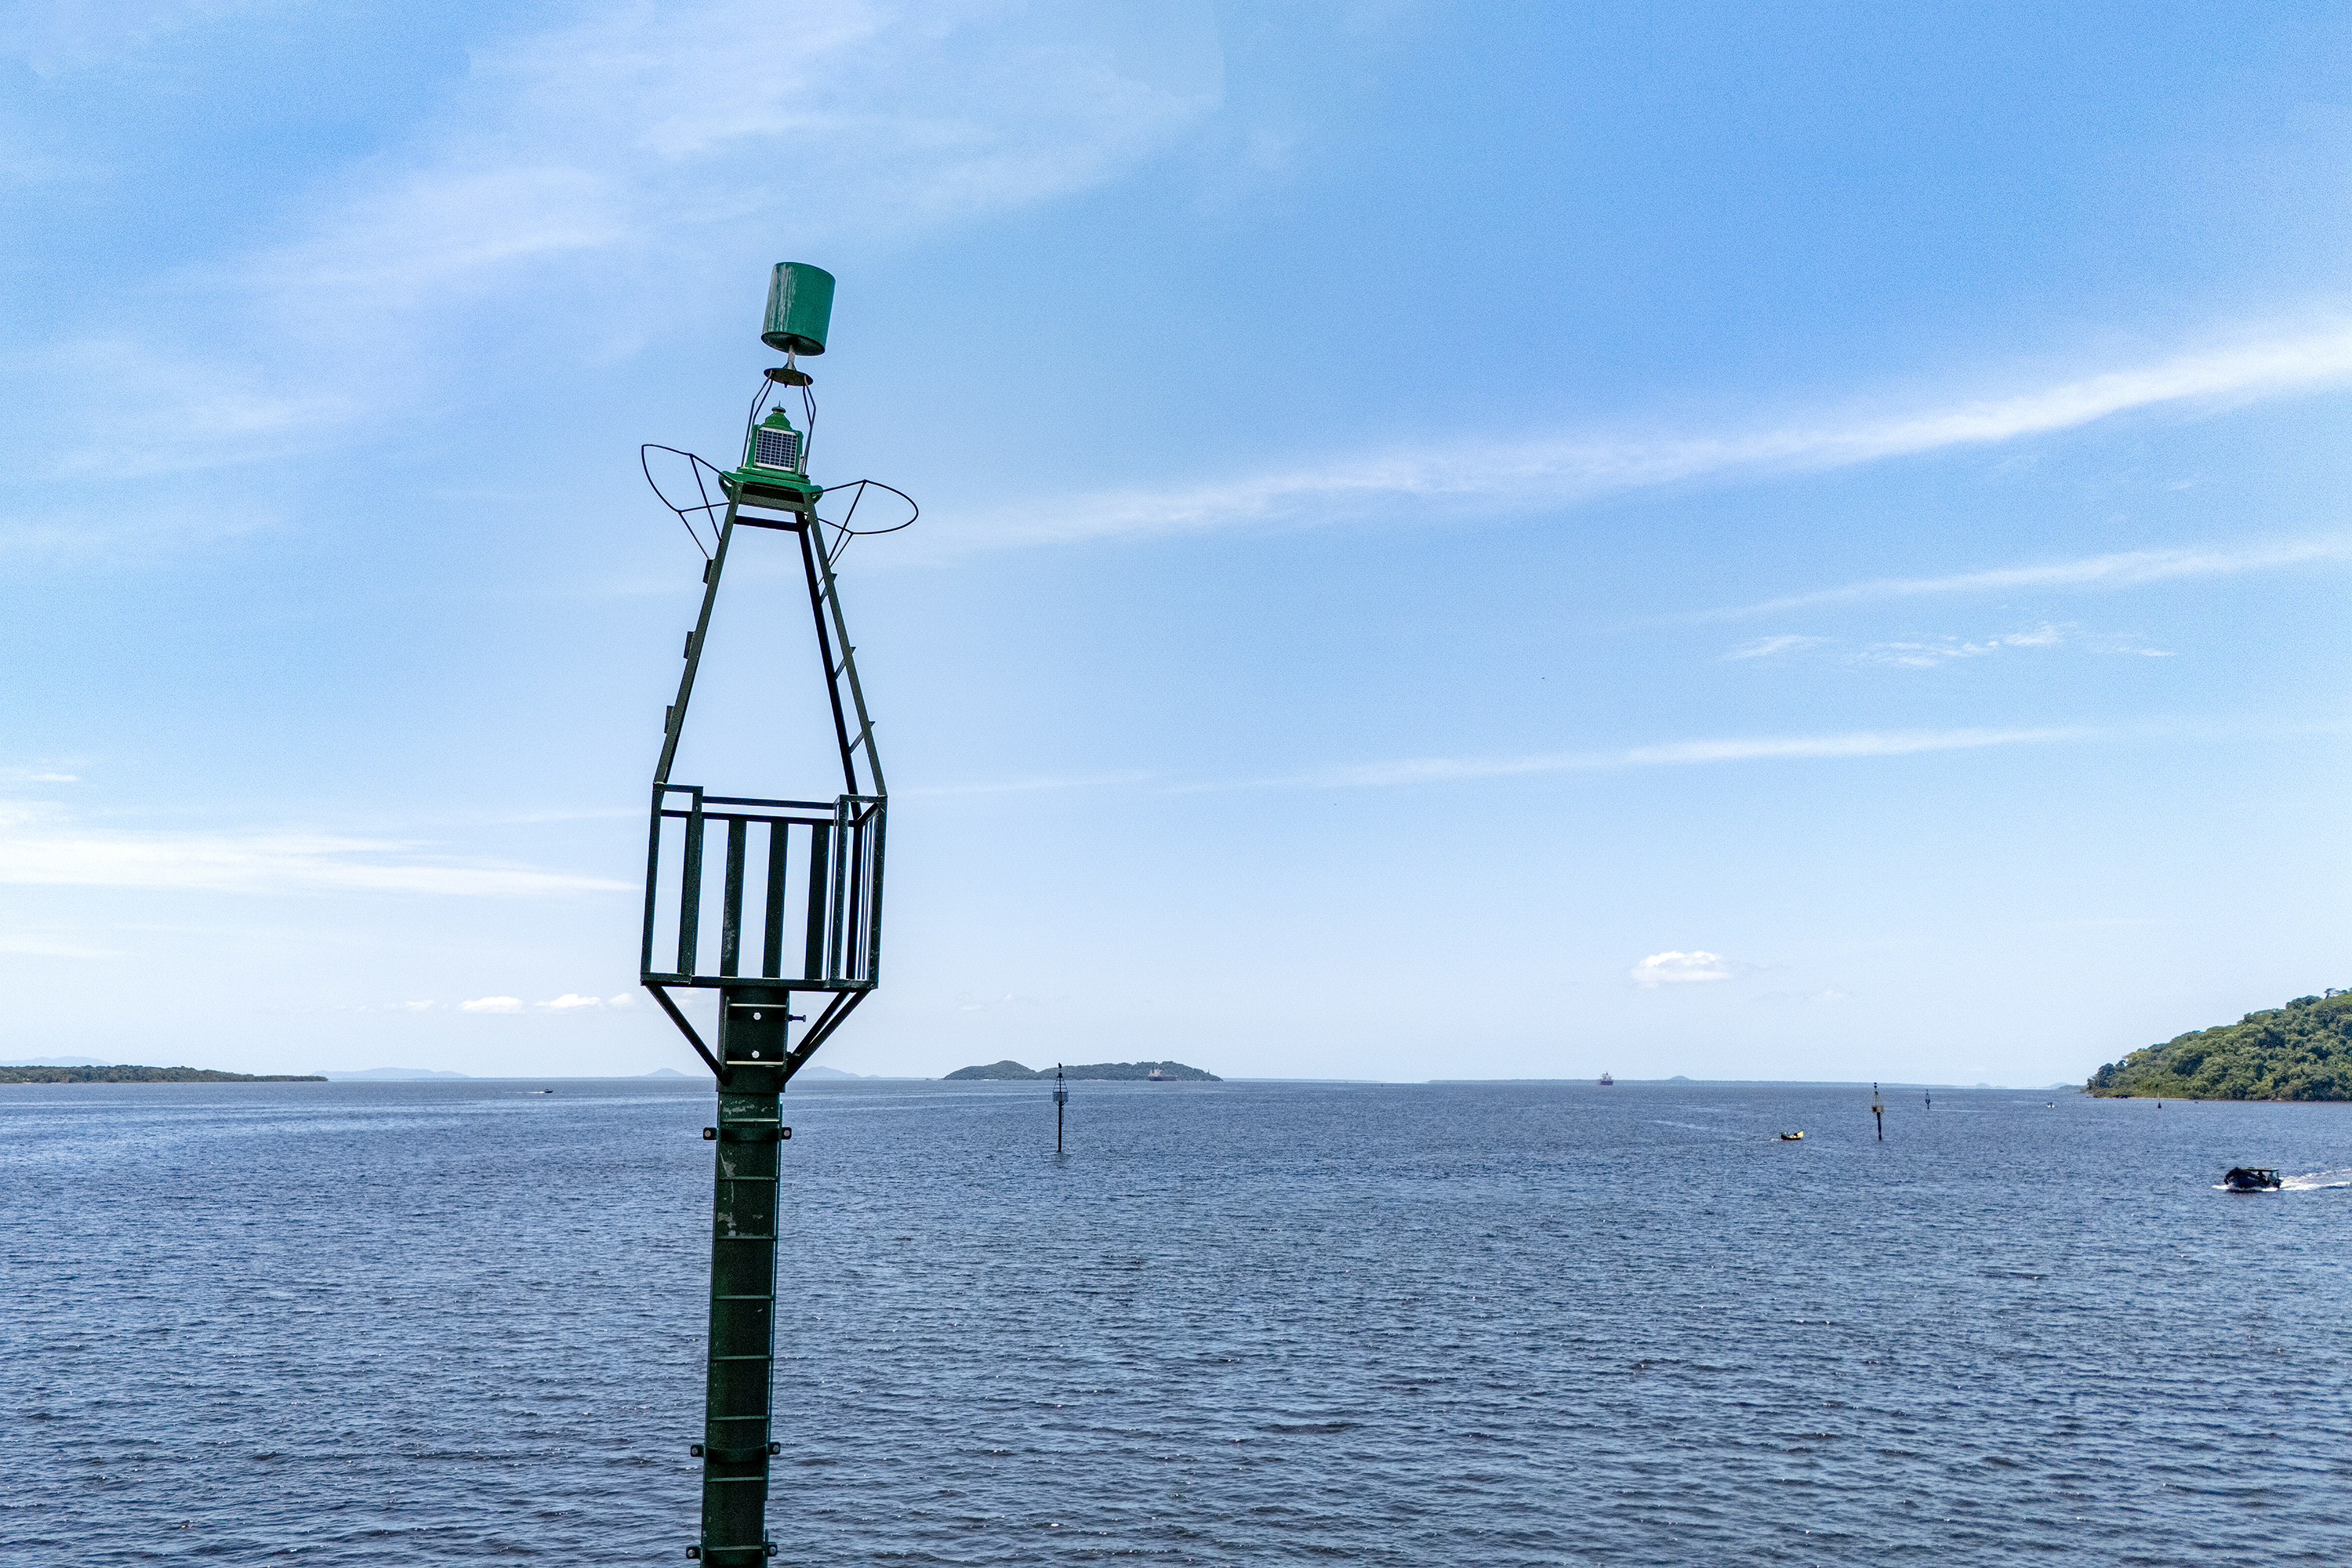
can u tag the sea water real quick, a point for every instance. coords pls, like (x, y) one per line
(1235, 1323)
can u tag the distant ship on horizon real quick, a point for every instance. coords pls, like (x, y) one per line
(1606, 1080)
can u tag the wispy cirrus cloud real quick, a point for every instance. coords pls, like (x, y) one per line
(1027, 785)
(1765, 647)
(1930, 652)
(2123, 569)
(635, 126)
(1550, 470)
(1676, 754)
(610, 161)
(1850, 745)
(39, 849)
(1944, 650)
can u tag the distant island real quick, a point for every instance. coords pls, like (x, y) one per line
(1006, 1070)
(147, 1075)
(2300, 1051)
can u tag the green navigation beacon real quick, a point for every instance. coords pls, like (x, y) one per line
(774, 470)
(793, 889)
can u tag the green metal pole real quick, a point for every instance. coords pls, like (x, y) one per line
(736, 1438)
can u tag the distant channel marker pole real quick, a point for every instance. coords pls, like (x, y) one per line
(813, 869)
(1878, 1112)
(1060, 1099)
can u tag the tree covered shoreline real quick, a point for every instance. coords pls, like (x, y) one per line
(146, 1074)
(2302, 1051)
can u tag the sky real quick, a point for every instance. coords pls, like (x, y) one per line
(1457, 540)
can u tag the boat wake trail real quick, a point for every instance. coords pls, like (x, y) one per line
(2317, 1180)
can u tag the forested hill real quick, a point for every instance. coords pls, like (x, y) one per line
(2300, 1051)
(143, 1075)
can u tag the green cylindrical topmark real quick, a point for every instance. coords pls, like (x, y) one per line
(800, 308)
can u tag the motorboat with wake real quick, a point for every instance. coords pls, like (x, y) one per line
(2250, 1179)
(1792, 1137)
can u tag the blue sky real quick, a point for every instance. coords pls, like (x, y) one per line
(1459, 540)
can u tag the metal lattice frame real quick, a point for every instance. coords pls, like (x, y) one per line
(806, 870)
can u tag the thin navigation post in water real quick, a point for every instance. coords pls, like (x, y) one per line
(1878, 1112)
(1060, 1099)
(797, 898)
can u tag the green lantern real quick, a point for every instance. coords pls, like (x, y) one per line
(774, 472)
(776, 447)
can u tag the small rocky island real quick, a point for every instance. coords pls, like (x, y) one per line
(1163, 1072)
(147, 1075)
(2300, 1051)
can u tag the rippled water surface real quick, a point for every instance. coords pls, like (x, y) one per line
(384, 1324)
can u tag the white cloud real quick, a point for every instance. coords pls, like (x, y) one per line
(613, 163)
(628, 152)
(1928, 655)
(1765, 647)
(641, 130)
(2127, 569)
(1866, 743)
(223, 416)
(1679, 969)
(1943, 650)
(36, 849)
(1540, 471)
(1022, 787)
(1675, 753)
(491, 1005)
(570, 1002)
